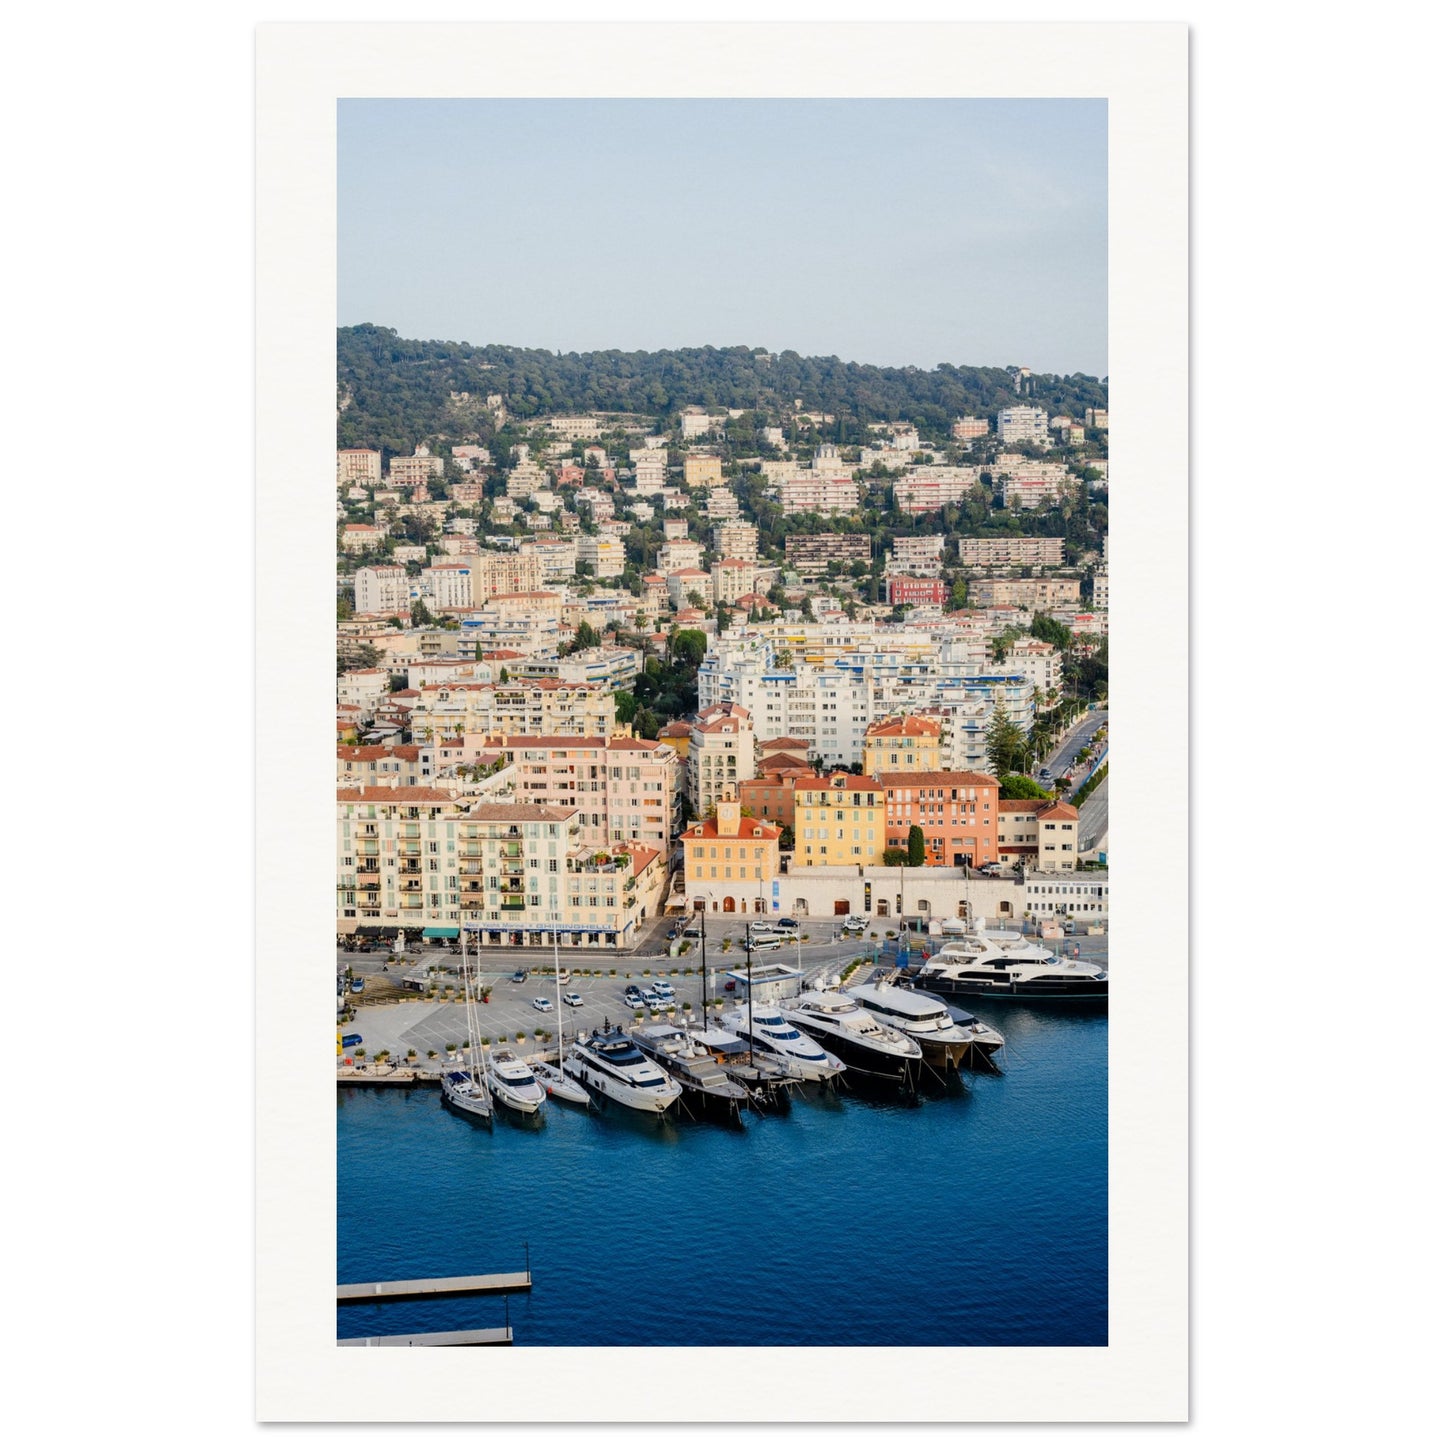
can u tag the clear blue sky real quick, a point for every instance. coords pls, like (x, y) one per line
(889, 231)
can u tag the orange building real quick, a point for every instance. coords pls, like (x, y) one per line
(958, 812)
(770, 797)
(729, 862)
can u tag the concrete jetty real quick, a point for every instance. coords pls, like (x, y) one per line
(501, 1336)
(462, 1284)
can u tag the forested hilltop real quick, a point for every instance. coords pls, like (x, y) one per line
(393, 393)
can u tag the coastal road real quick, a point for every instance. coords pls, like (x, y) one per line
(1076, 739)
(1094, 818)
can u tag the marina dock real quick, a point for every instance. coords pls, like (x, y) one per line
(501, 1336)
(412, 1289)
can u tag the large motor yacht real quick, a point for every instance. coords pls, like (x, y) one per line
(1004, 966)
(864, 1044)
(946, 1043)
(608, 1061)
(514, 1084)
(768, 1032)
(706, 1088)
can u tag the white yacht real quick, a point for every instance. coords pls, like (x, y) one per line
(514, 1083)
(464, 1089)
(864, 1044)
(946, 1042)
(770, 1033)
(609, 1062)
(559, 1086)
(1003, 965)
(461, 1090)
(706, 1088)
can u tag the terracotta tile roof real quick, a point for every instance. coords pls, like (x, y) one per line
(937, 780)
(909, 727)
(518, 813)
(375, 753)
(786, 743)
(1059, 810)
(393, 795)
(707, 828)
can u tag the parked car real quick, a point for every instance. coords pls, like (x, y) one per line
(572, 1000)
(351, 1041)
(990, 870)
(673, 933)
(632, 996)
(664, 991)
(564, 976)
(691, 932)
(520, 976)
(855, 923)
(650, 998)
(730, 985)
(357, 984)
(766, 945)
(788, 925)
(542, 1005)
(1069, 926)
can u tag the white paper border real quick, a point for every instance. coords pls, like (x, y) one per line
(1142, 71)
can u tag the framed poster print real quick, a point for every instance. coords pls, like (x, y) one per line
(713, 602)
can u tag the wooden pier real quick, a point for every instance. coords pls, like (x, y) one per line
(501, 1336)
(411, 1289)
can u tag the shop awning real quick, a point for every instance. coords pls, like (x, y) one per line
(372, 930)
(441, 933)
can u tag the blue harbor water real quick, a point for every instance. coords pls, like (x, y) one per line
(978, 1216)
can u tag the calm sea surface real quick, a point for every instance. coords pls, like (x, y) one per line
(978, 1217)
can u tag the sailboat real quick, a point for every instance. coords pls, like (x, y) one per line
(551, 1078)
(464, 1088)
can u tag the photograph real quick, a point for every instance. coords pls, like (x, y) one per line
(722, 729)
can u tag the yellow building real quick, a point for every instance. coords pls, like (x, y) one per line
(702, 471)
(729, 862)
(902, 745)
(838, 820)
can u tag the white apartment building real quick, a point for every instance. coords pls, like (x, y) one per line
(650, 472)
(538, 706)
(677, 553)
(720, 754)
(674, 529)
(494, 573)
(722, 505)
(969, 428)
(383, 589)
(736, 539)
(573, 428)
(361, 536)
(1011, 551)
(917, 556)
(732, 578)
(556, 555)
(929, 489)
(526, 478)
(827, 496)
(685, 580)
(605, 555)
(1038, 661)
(614, 668)
(359, 465)
(525, 622)
(696, 422)
(1024, 424)
(416, 469)
(449, 586)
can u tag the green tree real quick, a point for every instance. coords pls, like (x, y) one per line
(1008, 748)
(689, 646)
(1018, 785)
(915, 847)
(626, 706)
(421, 614)
(895, 857)
(586, 636)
